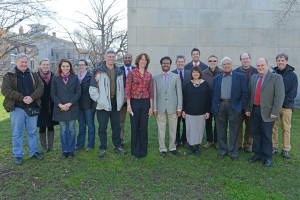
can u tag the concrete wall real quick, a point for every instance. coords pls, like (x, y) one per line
(220, 27)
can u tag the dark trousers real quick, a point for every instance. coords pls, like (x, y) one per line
(245, 141)
(227, 114)
(139, 127)
(211, 133)
(262, 135)
(181, 139)
(114, 116)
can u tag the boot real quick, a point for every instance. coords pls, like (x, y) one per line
(50, 140)
(43, 142)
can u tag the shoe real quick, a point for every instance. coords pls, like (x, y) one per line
(285, 154)
(221, 156)
(101, 153)
(64, 155)
(247, 149)
(18, 160)
(37, 156)
(175, 152)
(78, 147)
(234, 158)
(207, 145)
(120, 150)
(163, 154)
(197, 153)
(88, 149)
(275, 150)
(253, 159)
(71, 154)
(189, 152)
(267, 162)
(44, 150)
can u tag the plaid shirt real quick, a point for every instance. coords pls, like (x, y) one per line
(138, 86)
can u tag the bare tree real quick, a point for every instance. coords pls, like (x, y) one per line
(98, 31)
(12, 14)
(287, 7)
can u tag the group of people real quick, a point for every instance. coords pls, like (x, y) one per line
(192, 96)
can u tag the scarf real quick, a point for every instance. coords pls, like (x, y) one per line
(45, 76)
(81, 76)
(65, 78)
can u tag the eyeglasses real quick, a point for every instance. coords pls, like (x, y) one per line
(212, 61)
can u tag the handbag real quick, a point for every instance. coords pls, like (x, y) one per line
(32, 111)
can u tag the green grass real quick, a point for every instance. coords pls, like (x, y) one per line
(123, 177)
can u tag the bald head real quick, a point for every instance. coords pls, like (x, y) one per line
(262, 66)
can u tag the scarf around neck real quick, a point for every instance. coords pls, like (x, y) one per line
(45, 76)
(65, 78)
(81, 76)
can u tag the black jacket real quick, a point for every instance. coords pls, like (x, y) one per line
(85, 101)
(290, 81)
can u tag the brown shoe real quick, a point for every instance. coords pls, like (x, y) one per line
(207, 145)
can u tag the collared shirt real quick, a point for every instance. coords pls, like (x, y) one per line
(196, 64)
(126, 69)
(178, 71)
(139, 86)
(112, 77)
(226, 86)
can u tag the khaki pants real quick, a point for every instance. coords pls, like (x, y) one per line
(161, 123)
(285, 117)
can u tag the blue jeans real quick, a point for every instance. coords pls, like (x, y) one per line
(19, 120)
(86, 118)
(67, 135)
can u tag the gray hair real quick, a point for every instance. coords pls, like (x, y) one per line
(226, 58)
(110, 51)
(44, 59)
(180, 56)
(21, 55)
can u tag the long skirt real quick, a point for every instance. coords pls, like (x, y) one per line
(195, 125)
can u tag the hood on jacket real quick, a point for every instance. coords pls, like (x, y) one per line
(288, 68)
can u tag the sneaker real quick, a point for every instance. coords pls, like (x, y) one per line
(275, 150)
(207, 145)
(285, 154)
(18, 160)
(37, 156)
(64, 155)
(101, 153)
(44, 149)
(120, 150)
(88, 149)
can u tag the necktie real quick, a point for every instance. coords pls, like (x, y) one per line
(128, 69)
(257, 92)
(181, 76)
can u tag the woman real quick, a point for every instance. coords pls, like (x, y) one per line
(86, 108)
(65, 93)
(45, 117)
(196, 104)
(139, 96)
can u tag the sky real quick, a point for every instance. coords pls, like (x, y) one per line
(68, 12)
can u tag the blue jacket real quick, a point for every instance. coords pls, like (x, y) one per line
(239, 93)
(290, 81)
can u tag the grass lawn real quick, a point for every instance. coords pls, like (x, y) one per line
(123, 177)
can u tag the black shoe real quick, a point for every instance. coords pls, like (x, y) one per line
(285, 154)
(37, 156)
(197, 153)
(163, 154)
(18, 160)
(71, 154)
(175, 152)
(267, 162)
(64, 155)
(253, 159)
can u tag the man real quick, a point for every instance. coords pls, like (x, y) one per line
(185, 77)
(248, 70)
(167, 104)
(290, 81)
(266, 95)
(208, 75)
(195, 53)
(229, 98)
(22, 90)
(125, 68)
(108, 92)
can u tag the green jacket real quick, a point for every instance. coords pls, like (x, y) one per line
(10, 90)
